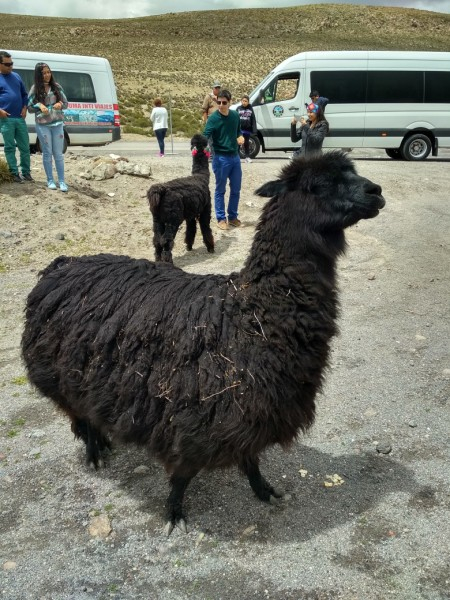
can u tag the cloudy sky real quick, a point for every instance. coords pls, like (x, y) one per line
(119, 9)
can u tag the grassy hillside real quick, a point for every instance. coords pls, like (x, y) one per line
(181, 54)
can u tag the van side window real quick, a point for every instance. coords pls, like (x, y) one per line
(437, 86)
(283, 87)
(395, 86)
(78, 87)
(341, 87)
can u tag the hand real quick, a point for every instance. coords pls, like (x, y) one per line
(44, 109)
(57, 106)
(293, 121)
(240, 140)
(303, 121)
(4, 113)
(23, 112)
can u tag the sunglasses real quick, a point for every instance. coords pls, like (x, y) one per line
(222, 102)
(7, 64)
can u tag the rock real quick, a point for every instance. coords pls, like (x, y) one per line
(103, 171)
(100, 527)
(371, 277)
(384, 448)
(60, 236)
(9, 565)
(6, 234)
(141, 470)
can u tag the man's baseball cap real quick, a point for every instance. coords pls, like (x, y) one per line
(216, 84)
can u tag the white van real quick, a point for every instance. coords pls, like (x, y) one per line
(399, 101)
(92, 117)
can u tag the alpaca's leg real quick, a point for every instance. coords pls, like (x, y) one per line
(175, 514)
(97, 445)
(191, 230)
(261, 487)
(205, 220)
(158, 232)
(168, 238)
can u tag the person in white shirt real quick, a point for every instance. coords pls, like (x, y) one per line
(159, 120)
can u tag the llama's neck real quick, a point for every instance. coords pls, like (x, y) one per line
(200, 165)
(287, 245)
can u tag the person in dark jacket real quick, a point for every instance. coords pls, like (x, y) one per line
(248, 124)
(312, 131)
(316, 98)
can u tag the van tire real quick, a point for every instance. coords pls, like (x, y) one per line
(254, 146)
(393, 153)
(416, 147)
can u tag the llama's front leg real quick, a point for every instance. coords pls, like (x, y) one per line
(205, 227)
(175, 514)
(261, 487)
(191, 230)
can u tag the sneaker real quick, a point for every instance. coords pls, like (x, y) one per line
(17, 179)
(222, 225)
(248, 159)
(27, 177)
(161, 155)
(63, 187)
(51, 185)
(234, 222)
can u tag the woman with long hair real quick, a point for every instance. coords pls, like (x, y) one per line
(47, 100)
(312, 131)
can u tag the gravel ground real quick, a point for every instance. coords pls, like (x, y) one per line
(367, 511)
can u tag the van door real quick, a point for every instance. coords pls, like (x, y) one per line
(275, 103)
(346, 111)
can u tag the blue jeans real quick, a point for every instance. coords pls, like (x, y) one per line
(15, 131)
(227, 166)
(160, 135)
(51, 139)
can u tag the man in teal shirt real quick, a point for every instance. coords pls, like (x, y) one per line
(13, 110)
(224, 128)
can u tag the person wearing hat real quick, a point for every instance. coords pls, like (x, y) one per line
(312, 131)
(210, 102)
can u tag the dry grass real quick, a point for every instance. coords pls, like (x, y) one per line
(181, 54)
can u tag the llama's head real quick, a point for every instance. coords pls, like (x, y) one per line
(199, 143)
(330, 191)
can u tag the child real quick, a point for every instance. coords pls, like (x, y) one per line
(248, 124)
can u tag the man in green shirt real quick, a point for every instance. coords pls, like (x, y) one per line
(224, 128)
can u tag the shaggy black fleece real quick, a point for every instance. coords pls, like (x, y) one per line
(205, 370)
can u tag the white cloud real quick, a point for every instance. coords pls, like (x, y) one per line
(118, 9)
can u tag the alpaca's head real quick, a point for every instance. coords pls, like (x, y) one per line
(199, 143)
(326, 190)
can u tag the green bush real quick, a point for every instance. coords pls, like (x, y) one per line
(5, 173)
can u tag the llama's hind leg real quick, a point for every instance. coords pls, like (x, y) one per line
(174, 506)
(205, 227)
(262, 488)
(191, 230)
(158, 232)
(97, 445)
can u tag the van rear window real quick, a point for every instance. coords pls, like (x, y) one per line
(78, 87)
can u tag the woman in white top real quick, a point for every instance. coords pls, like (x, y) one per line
(159, 122)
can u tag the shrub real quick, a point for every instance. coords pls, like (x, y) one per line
(5, 173)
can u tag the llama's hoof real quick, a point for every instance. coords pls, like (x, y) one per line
(170, 526)
(211, 250)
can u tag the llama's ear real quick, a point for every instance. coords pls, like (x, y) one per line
(271, 188)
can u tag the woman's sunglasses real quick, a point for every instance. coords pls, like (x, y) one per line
(10, 64)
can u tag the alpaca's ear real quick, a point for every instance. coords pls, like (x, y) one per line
(271, 188)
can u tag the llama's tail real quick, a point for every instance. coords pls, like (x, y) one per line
(155, 195)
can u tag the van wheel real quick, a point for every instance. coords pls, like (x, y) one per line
(254, 147)
(416, 147)
(393, 153)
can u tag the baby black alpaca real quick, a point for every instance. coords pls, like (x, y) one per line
(206, 371)
(183, 199)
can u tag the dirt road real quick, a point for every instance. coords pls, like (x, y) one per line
(368, 511)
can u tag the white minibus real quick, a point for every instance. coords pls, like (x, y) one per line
(399, 101)
(92, 117)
